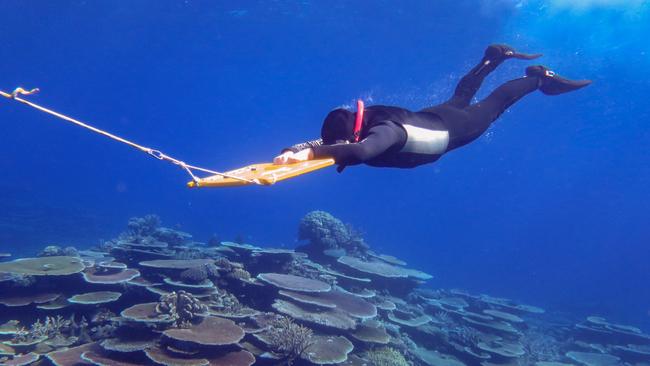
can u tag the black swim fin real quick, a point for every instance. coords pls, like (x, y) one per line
(500, 52)
(552, 83)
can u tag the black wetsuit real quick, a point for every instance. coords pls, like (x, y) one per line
(387, 132)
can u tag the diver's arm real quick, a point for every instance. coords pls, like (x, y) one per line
(297, 152)
(305, 145)
(380, 138)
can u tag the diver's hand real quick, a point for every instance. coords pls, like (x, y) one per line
(290, 157)
(283, 158)
(302, 155)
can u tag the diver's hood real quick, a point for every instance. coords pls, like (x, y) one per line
(338, 126)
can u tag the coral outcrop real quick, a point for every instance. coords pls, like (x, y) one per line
(329, 236)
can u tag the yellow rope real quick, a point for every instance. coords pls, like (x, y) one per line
(155, 153)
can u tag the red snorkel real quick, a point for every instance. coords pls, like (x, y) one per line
(358, 121)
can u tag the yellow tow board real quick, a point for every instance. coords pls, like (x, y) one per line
(265, 174)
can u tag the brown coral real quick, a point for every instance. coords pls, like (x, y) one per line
(288, 338)
(182, 307)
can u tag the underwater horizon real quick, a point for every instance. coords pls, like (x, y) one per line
(547, 210)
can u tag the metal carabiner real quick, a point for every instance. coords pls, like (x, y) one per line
(156, 154)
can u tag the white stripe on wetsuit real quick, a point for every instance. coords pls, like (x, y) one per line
(424, 141)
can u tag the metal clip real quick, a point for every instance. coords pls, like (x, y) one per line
(21, 91)
(156, 154)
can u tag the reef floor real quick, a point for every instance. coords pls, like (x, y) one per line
(154, 296)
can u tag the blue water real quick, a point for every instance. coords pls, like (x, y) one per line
(550, 207)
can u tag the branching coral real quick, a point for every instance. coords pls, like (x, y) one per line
(49, 328)
(289, 339)
(386, 356)
(541, 347)
(182, 307)
(442, 317)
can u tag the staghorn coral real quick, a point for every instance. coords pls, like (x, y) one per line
(541, 347)
(289, 339)
(386, 356)
(442, 317)
(182, 307)
(49, 328)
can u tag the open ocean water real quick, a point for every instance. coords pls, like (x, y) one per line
(548, 209)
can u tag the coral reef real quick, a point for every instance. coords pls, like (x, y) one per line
(154, 296)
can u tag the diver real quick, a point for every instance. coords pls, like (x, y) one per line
(384, 136)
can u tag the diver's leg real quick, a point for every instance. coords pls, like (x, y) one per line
(490, 108)
(481, 115)
(552, 83)
(470, 83)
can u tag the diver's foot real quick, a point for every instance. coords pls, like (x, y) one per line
(500, 52)
(552, 83)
